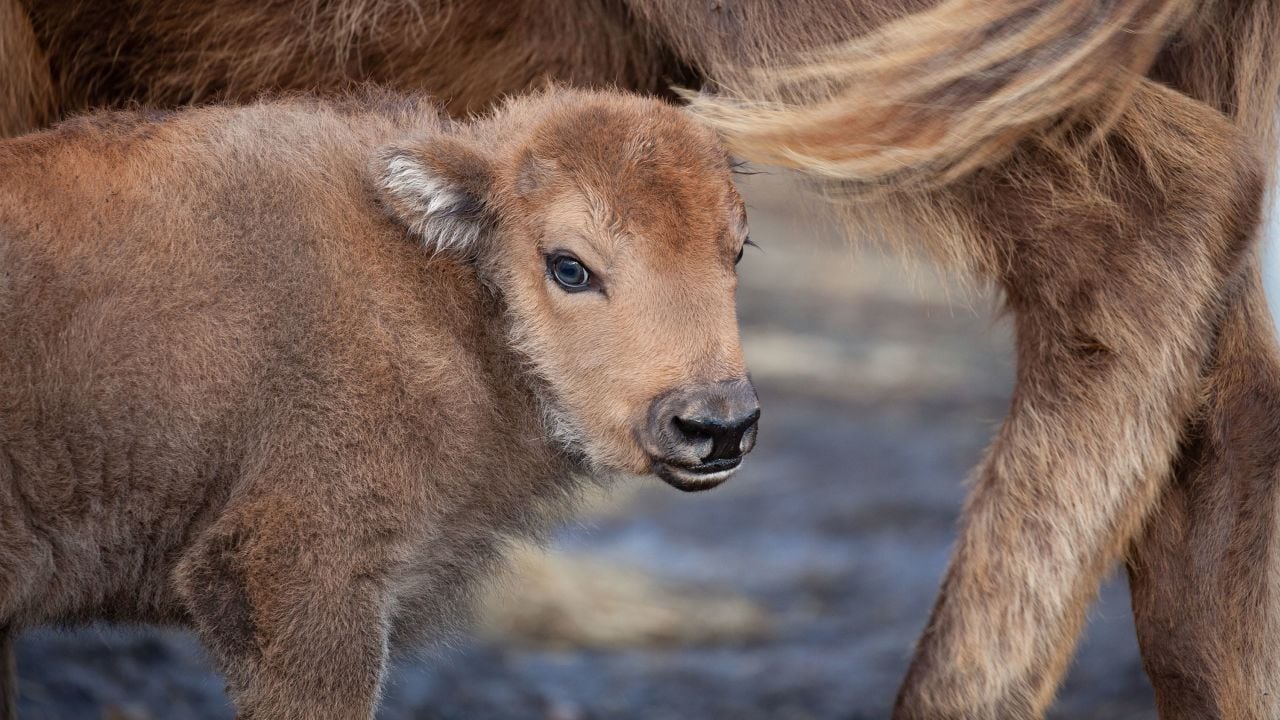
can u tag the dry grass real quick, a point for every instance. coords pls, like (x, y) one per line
(569, 600)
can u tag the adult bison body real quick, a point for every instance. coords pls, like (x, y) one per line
(1101, 163)
(293, 373)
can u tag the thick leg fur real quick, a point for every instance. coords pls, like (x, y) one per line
(1114, 262)
(1205, 574)
(295, 615)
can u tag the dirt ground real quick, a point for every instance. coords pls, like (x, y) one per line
(793, 592)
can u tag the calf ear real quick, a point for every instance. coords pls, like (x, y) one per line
(440, 191)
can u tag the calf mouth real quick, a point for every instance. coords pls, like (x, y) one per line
(695, 478)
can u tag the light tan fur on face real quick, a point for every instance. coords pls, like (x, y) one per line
(604, 359)
(658, 229)
(281, 372)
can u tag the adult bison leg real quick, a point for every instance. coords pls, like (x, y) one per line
(1114, 261)
(1205, 573)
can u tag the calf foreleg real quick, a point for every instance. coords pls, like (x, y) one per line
(292, 609)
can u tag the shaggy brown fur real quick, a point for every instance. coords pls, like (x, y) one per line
(1144, 348)
(26, 89)
(467, 54)
(240, 394)
(1098, 161)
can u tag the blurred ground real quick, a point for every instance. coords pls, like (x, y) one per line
(794, 592)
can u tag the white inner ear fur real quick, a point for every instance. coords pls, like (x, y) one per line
(441, 214)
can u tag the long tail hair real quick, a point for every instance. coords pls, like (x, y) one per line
(932, 96)
(889, 122)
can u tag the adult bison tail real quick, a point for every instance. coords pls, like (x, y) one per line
(934, 95)
(26, 88)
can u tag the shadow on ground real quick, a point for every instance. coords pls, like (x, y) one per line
(793, 592)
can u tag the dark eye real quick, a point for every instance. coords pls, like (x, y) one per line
(740, 251)
(568, 272)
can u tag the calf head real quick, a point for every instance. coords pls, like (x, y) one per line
(611, 228)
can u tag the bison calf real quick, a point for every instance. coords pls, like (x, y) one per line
(292, 373)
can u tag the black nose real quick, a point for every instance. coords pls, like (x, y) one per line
(724, 432)
(700, 424)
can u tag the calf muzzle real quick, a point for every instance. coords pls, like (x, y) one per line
(697, 435)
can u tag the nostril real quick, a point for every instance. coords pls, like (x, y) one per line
(695, 428)
(725, 434)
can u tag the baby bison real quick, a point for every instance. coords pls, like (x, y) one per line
(293, 373)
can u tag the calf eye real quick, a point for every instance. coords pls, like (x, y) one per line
(740, 251)
(568, 272)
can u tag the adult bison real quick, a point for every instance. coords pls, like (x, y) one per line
(296, 373)
(1102, 163)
